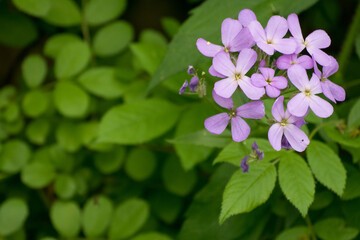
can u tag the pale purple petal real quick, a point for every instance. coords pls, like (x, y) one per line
(296, 137)
(298, 77)
(320, 56)
(193, 83)
(314, 84)
(294, 26)
(285, 45)
(183, 87)
(298, 105)
(217, 123)
(257, 31)
(305, 61)
(208, 49)
(268, 73)
(229, 29)
(275, 134)
(279, 82)
(246, 16)
(326, 90)
(223, 102)
(226, 87)
(244, 165)
(252, 92)
(272, 92)
(277, 109)
(337, 92)
(191, 70)
(241, 41)
(316, 69)
(223, 64)
(284, 61)
(318, 39)
(246, 59)
(214, 73)
(267, 48)
(262, 63)
(276, 28)
(300, 45)
(252, 110)
(240, 130)
(258, 80)
(320, 107)
(330, 69)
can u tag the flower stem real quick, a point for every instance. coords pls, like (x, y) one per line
(308, 222)
(348, 45)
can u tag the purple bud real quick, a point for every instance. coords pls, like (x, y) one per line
(285, 143)
(193, 83)
(254, 146)
(191, 70)
(244, 164)
(183, 87)
(260, 154)
(262, 63)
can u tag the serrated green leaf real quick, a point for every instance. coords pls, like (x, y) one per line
(60, 214)
(296, 181)
(100, 11)
(64, 13)
(246, 191)
(137, 122)
(326, 166)
(334, 229)
(34, 70)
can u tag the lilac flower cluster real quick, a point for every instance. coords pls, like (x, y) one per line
(245, 62)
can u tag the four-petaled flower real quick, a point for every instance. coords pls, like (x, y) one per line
(266, 79)
(236, 74)
(301, 102)
(286, 125)
(240, 130)
(287, 61)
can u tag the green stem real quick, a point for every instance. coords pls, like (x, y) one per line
(308, 222)
(84, 24)
(348, 45)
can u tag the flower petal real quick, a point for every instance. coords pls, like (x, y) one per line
(294, 26)
(284, 61)
(298, 77)
(276, 28)
(279, 82)
(208, 49)
(275, 134)
(183, 87)
(298, 105)
(268, 73)
(326, 90)
(229, 29)
(226, 87)
(257, 31)
(285, 45)
(296, 137)
(223, 64)
(246, 16)
(252, 92)
(272, 92)
(305, 61)
(315, 84)
(246, 59)
(258, 80)
(267, 48)
(330, 69)
(320, 56)
(240, 130)
(277, 109)
(217, 123)
(318, 39)
(337, 91)
(223, 102)
(214, 73)
(320, 107)
(241, 41)
(252, 110)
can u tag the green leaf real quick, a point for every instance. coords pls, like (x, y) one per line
(128, 218)
(65, 186)
(170, 25)
(326, 166)
(357, 45)
(153, 37)
(61, 213)
(354, 115)
(13, 213)
(294, 233)
(140, 164)
(38, 174)
(322, 200)
(12, 112)
(113, 38)
(100, 11)
(166, 206)
(37, 131)
(149, 55)
(102, 82)
(246, 191)
(137, 122)
(352, 189)
(35, 103)
(14, 155)
(68, 136)
(334, 229)
(71, 59)
(342, 138)
(37, 8)
(96, 216)
(70, 100)
(176, 180)
(110, 162)
(296, 181)
(64, 13)
(151, 236)
(56, 42)
(34, 70)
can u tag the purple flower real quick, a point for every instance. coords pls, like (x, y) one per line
(271, 38)
(236, 74)
(266, 79)
(244, 165)
(287, 61)
(301, 102)
(240, 130)
(315, 41)
(234, 38)
(284, 142)
(194, 82)
(285, 125)
(246, 16)
(331, 90)
(257, 153)
(183, 87)
(262, 63)
(191, 70)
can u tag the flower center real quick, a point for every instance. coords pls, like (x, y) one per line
(269, 41)
(283, 122)
(238, 76)
(307, 92)
(232, 113)
(208, 43)
(226, 49)
(305, 44)
(292, 62)
(268, 80)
